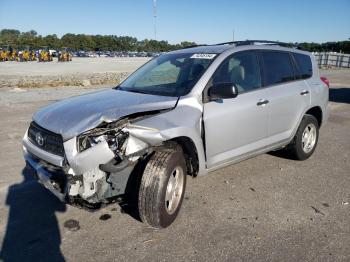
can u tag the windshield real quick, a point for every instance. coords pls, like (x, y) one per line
(169, 74)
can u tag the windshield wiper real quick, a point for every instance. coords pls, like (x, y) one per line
(132, 90)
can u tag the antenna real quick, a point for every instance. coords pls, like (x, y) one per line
(155, 18)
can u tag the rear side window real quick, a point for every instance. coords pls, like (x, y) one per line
(304, 66)
(277, 67)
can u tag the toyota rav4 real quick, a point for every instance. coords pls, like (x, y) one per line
(186, 112)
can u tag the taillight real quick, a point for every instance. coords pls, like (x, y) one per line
(325, 80)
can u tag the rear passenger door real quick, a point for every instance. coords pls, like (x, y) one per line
(288, 94)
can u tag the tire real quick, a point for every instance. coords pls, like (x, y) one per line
(302, 149)
(165, 171)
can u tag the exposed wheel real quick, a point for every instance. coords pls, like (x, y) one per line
(162, 188)
(306, 138)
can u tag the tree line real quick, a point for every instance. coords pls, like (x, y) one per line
(76, 42)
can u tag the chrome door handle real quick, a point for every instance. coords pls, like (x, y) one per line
(304, 92)
(262, 102)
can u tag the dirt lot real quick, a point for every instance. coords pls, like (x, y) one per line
(79, 72)
(268, 208)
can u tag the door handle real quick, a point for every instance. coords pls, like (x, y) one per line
(262, 102)
(304, 92)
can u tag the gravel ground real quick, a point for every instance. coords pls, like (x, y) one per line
(79, 72)
(268, 208)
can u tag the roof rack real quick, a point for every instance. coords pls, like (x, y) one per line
(191, 46)
(262, 42)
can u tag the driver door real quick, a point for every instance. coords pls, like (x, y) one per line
(237, 126)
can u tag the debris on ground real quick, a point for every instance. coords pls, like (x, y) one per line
(72, 225)
(150, 240)
(317, 211)
(105, 217)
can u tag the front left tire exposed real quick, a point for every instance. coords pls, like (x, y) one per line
(162, 188)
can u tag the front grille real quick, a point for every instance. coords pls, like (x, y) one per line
(45, 139)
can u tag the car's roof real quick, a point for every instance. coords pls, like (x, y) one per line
(220, 48)
(212, 49)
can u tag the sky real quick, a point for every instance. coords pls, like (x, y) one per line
(201, 21)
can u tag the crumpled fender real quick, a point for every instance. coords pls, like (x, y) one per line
(89, 158)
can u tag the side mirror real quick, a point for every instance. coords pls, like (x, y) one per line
(222, 91)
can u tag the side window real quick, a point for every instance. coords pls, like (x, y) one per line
(241, 69)
(277, 67)
(304, 65)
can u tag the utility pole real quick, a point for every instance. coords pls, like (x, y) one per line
(233, 35)
(155, 18)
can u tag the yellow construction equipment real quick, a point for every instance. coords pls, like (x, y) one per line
(44, 55)
(64, 56)
(32, 55)
(23, 56)
(4, 54)
(7, 53)
(26, 55)
(13, 56)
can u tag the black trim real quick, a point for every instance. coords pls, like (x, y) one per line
(53, 143)
(261, 42)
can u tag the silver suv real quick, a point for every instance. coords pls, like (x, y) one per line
(187, 112)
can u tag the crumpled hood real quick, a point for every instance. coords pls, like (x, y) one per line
(73, 116)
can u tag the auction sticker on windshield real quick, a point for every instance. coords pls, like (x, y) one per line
(203, 56)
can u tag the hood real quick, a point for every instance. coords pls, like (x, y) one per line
(75, 115)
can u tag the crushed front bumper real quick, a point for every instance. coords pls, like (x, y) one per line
(54, 181)
(77, 176)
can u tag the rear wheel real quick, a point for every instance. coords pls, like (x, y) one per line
(162, 188)
(306, 138)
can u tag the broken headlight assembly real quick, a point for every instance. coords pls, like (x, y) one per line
(115, 139)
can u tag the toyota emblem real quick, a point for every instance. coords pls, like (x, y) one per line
(39, 139)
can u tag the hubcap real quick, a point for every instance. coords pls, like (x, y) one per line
(174, 190)
(308, 139)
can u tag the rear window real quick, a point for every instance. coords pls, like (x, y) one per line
(277, 67)
(304, 66)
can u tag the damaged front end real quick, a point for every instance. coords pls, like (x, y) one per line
(95, 166)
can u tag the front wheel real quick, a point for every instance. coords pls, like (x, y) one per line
(306, 138)
(162, 188)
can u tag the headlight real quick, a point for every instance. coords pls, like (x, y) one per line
(115, 139)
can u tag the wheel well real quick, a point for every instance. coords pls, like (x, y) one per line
(191, 155)
(317, 113)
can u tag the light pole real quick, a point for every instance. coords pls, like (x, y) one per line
(155, 18)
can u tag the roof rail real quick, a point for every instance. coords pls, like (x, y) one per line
(191, 46)
(262, 42)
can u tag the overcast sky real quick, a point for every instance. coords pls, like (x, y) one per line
(202, 21)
